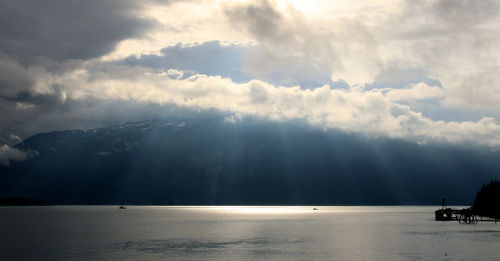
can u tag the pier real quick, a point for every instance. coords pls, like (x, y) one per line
(463, 216)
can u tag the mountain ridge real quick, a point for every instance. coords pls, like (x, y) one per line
(213, 161)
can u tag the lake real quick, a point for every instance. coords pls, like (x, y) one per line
(241, 233)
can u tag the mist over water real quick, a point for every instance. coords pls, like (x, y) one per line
(240, 233)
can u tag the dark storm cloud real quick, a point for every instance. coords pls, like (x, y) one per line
(30, 113)
(12, 77)
(33, 99)
(62, 29)
(17, 77)
(262, 20)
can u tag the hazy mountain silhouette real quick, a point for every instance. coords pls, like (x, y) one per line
(211, 161)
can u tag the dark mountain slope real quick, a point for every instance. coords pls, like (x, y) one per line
(209, 161)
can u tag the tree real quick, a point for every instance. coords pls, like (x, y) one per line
(487, 201)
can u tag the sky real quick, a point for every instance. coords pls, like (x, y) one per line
(421, 70)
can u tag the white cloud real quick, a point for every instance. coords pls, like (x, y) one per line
(371, 112)
(233, 118)
(15, 138)
(293, 45)
(409, 51)
(455, 41)
(415, 92)
(8, 154)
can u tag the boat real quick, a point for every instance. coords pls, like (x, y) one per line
(122, 207)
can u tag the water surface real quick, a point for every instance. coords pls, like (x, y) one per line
(240, 233)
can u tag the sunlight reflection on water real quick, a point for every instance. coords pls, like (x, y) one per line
(240, 233)
(278, 210)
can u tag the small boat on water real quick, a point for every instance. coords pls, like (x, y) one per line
(315, 209)
(122, 207)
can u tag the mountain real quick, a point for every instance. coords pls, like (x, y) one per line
(21, 202)
(213, 161)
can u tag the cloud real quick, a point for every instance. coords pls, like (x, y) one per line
(478, 89)
(14, 77)
(210, 58)
(456, 41)
(291, 47)
(63, 29)
(280, 53)
(233, 118)
(15, 138)
(399, 76)
(373, 112)
(442, 43)
(464, 13)
(8, 154)
(49, 78)
(78, 98)
(229, 60)
(415, 92)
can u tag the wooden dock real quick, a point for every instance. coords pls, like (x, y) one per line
(463, 216)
